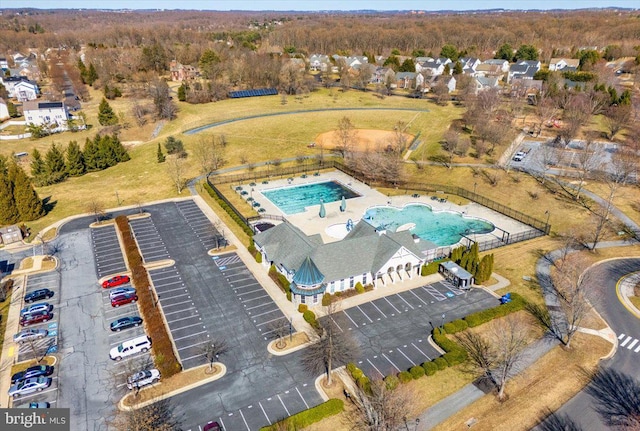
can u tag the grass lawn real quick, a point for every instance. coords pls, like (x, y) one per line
(635, 300)
(4, 312)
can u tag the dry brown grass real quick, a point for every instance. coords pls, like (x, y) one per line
(26, 263)
(635, 300)
(21, 366)
(541, 382)
(298, 339)
(365, 139)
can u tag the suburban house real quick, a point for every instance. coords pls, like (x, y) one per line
(526, 88)
(502, 64)
(4, 64)
(180, 72)
(365, 255)
(382, 75)
(409, 80)
(564, 64)
(319, 63)
(469, 65)
(434, 67)
(351, 62)
(485, 69)
(50, 114)
(10, 234)
(4, 110)
(483, 83)
(523, 69)
(20, 86)
(448, 80)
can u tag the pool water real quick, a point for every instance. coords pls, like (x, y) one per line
(441, 228)
(294, 199)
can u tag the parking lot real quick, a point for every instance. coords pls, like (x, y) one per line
(106, 248)
(200, 225)
(39, 348)
(149, 241)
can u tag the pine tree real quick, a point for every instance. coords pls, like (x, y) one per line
(120, 151)
(182, 92)
(27, 202)
(161, 157)
(106, 116)
(8, 211)
(38, 170)
(91, 155)
(83, 71)
(107, 153)
(92, 75)
(75, 160)
(54, 166)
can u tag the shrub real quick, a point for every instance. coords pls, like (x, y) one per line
(289, 296)
(454, 354)
(416, 372)
(357, 373)
(310, 317)
(517, 303)
(359, 287)
(351, 366)
(364, 383)
(247, 230)
(430, 368)
(259, 257)
(455, 357)
(308, 417)
(326, 299)
(460, 325)
(302, 308)
(431, 268)
(449, 328)
(391, 382)
(404, 376)
(441, 363)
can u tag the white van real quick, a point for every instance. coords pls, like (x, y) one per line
(127, 348)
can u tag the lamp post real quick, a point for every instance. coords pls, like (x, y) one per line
(474, 187)
(290, 329)
(442, 327)
(546, 226)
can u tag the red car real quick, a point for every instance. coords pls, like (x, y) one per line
(31, 319)
(212, 426)
(115, 281)
(119, 300)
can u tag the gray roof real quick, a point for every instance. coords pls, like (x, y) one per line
(404, 75)
(456, 269)
(308, 274)
(287, 245)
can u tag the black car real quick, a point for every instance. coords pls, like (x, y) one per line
(125, 322)
(38, 295)
(35, 371)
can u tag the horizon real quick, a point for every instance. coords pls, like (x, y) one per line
(325, 5)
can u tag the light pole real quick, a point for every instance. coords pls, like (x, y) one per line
(442, 327)
(290, 329)
(474, 187)
(546, 226)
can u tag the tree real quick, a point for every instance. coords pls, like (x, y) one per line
(153, 58)
(505, 52)
(407, 66)
(450, 144)
(158, 416)
(37, 167)
(588, 58)
(279, 330)
(617, 397)
(75, 161)
(345, 136)
(457, 68)
(8, 211)
(212, 349)
(380, 408)
(617, 117)
(449, 51)
(526, 52)
(333, 348)
(106, 115)
(208, 64)
(440, 92)
(27, 202)
(92, 75)
(161, 157)
(182, 92)
(55, 169)
(209, 152)
(497, 355)
(393, 62)
(96, 208)
(176, 168)
(160, 94)
(589, 160)
(175, 147)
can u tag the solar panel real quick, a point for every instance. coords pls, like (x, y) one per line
(253, 93)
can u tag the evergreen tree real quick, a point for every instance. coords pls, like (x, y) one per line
(161, 157)
(107, 153)
(182, 92)
(8, 211)
(92, 75)
(13, 111)
(106, 116)
(457, 68)
(407, 66)
(38, 170)
(83, 71)
(449, 51)
(55, 169)
(120, 151)
(505, 52)
(527, 52)
(91, 155)
(75, 160)
(27, 202)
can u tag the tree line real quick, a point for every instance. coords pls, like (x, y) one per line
(18, 199)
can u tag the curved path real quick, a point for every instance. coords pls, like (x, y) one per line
(276, 114)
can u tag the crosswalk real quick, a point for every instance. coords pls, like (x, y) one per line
(222, 261)
(629, 342)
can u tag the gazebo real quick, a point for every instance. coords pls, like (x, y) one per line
(307, 286)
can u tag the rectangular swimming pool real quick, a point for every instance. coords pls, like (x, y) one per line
(294, 199)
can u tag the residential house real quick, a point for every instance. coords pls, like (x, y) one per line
(319, 63)
(523, 69)
(353, 62)
(10, 234)
(25, 91)
(503, 64)
(449, 81)
(526, 88)
(434, 67)
(10, 83)
(483, 83)
(382, 75)
(4, 64)
(4, 110)
(50, 114)
(409, 80)
(366, 255)
(564, 64)
(181, 72)
(469, 65)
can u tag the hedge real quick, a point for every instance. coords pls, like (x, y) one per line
(391, 382)
(404, 376)
(308, 417)
(476, 319)
(259, 257)
(280, 280)
(431, 267)
(359, 287)
(441, 363)
(416, 372)
(326, 299)
(228, 210)
(351, 366)
(430, 368)
(310, 317)
(357, 373)
(302, 308)
(364, 383)
(162, 347)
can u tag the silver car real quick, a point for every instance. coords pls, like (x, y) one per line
(29, 335)
(121, 291)
(143, 378)
(25, 387)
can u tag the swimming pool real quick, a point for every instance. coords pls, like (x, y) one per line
(294, 199)
(442, 228)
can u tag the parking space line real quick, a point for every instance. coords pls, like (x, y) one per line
(336, 323)
(269, 321)
(262, 314)
(402, 353)
(251, 291)
(190, 335)
(257, 306)
(392, 306)
(372, 303)
(394, 365)
(165, 296)
(245, 421)
(160, 289)
(349, 317)
(376, 368)
(285, 407)
(419, 299)
(180, 311)
(405, 301)
(192, 345)
(365, 314)
(186, 326)
(303, 400)
(418, 349)
(253, 299)
(265, 413)
(177, 303)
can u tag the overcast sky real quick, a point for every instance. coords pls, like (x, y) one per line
(304, 5)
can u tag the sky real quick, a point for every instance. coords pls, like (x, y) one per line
(314, 5)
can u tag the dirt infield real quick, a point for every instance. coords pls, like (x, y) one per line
(366, 138)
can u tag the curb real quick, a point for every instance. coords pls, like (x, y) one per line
(624, 299)
(321, 391)
(275, 352)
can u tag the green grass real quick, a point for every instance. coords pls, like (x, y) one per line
(4, 312)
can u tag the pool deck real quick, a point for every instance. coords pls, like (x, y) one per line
(311, 223)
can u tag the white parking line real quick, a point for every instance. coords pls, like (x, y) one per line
(190, 335)
(251, 291)
(626, 341)
(394, 365)
(376, 368)
(303, 400)
(180, 311)
(349, 317)
(402, 353)
(427, 356)
(245, 421)
(265, 413)
(365, 314)
(336, 323)
(405, 301)
(268, 321)
(630, 346)
(392, 306)
(253, 299)
(419, 299)
(385, 316)
(186, 326)
(285, 407)
(258, 306)
(166, 297)
(192, 345)
(262, 314)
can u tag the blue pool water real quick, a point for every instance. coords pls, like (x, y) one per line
(441, 228)
(293, 200)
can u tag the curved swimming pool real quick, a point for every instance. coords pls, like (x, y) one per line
(442, 227)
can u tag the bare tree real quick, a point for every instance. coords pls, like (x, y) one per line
(547, 110)
(209, 153)
(212, 349)
(279, 330)
(545, 158)
(176, 168)
(158, 416)
(450, 143)
(345, 135)
(588, 160)
(617, 397)
(96, 209)
(334, 347)
(616, 118)
(497, 355)
(554, 421)
(380, 408)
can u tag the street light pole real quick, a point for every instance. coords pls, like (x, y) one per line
(442, 327)
(290, 329)
(546, 226)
